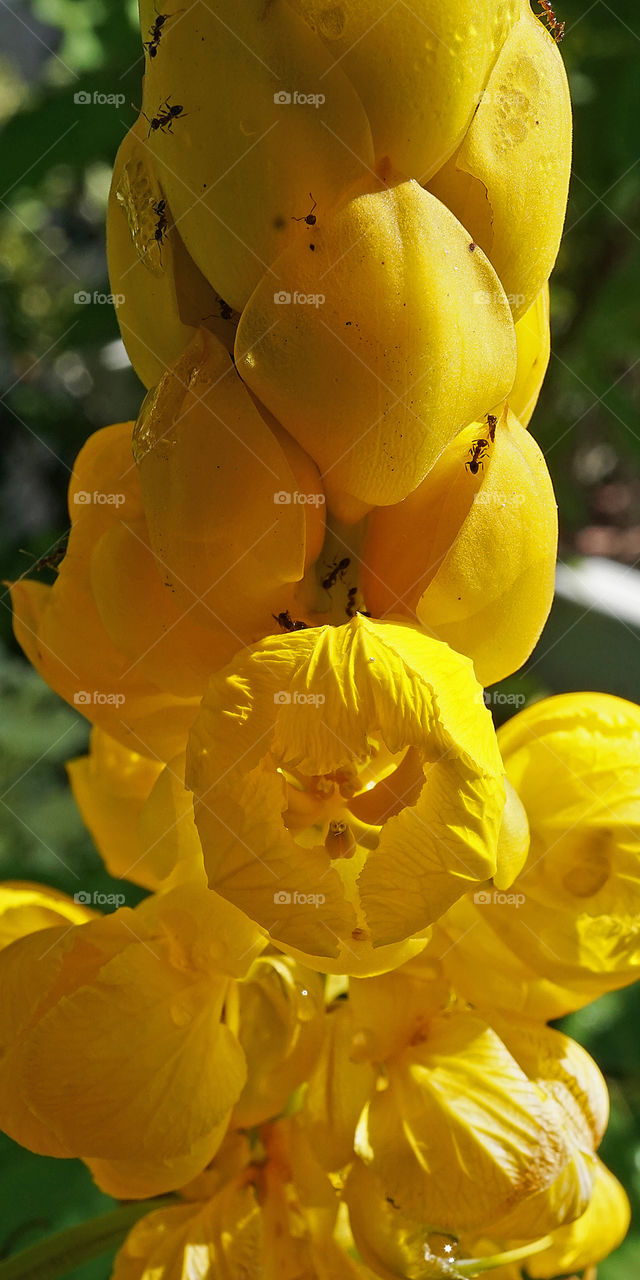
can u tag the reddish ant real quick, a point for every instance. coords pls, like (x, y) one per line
(492, 423)
(556, 28)
(476, 458)
(52, 558)
(336, 571)
(165, 117)
(309, 218)
(287, 623)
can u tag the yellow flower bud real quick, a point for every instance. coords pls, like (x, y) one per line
(435, 557)
(533, 338)
(377, 347)
(507, 183)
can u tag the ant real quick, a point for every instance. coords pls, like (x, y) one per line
(492, 423)
(309, 218)
(287, 623)
(151, 45)
(477, 453)
(351, 609)
(556, 28)
(165, 117)
(336, 571)
(160, 210)
(52, 559)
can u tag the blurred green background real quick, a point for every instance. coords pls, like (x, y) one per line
(64, 374)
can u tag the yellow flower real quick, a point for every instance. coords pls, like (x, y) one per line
(347, 789)
(162, 296)
(434, 557)
(60, 627)
(507, 182)
(573, 761)
(138, 812)
(25, 908)
(220, 485)
(115, 1043)
(373, 359)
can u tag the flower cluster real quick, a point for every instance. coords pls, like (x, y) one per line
(324, 1031)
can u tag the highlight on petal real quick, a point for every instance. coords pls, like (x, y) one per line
(433, 556)
(508, 181)
(26, 908)
(533, 338)
(201, 447)
(369, 731)
(376, 348)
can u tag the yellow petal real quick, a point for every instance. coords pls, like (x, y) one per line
(377, 347)
(201, 447)
(433, 556)
(223, 1236)
(592, 1237)
(508, 181)
(533, 338)
(25, 908)
(337, 1091)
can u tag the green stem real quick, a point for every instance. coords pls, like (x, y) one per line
(58, 1255)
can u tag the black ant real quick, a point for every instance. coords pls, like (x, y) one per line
(165, 117)
(287, 623)
(477, 453)
(336, 571)
(309, 218)
(556, 28)
(160, 210)
(351, 609)
(151, 45)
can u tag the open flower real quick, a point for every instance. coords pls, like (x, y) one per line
(115, 1042)
(347, 789)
